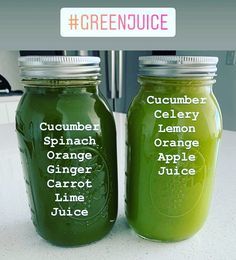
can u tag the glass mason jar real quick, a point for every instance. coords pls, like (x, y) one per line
(67, 141)
(174, 129)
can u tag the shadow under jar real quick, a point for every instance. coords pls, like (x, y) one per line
(67, 140)
(174, 129)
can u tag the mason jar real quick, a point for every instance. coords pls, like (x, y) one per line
(174, 130)
(67, 141)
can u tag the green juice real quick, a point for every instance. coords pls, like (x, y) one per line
(174, 129)
(67, 140)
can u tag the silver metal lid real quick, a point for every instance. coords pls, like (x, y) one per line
(59, 67)
(178, 66)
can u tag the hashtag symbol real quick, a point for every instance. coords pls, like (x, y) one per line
(73, 22)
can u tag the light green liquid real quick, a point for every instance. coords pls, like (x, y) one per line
(170, 207)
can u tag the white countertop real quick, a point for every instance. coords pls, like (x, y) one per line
(18, 239)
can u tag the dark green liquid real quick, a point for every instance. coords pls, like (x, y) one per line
(68, 105)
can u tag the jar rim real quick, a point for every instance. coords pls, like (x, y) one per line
(60, 67)
(178, 66)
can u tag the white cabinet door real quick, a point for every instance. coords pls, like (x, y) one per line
(8, 106)
(11, 111)
(3, 113)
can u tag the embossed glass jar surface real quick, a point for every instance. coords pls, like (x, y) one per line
(174, 128)
(67, 141)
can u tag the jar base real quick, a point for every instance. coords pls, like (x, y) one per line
(73, 245)
(156, 239)
(162, 240)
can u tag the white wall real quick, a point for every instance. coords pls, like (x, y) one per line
(9, 68)
(225, 87)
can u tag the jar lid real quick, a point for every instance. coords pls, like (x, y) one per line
(178, 66)
(62, 67)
